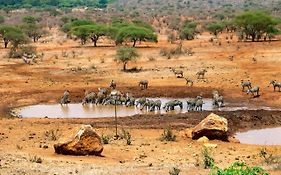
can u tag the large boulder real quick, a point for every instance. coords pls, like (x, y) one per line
(85, 142)
(213, 127)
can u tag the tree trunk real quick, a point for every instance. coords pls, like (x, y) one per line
(134, 43)
(6, 44)
(253, 37)
(95, 43)
(124, 65)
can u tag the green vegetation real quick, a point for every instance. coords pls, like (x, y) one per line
(2, 19)
(135, 33)
(32, 28)
(126, 54)
(127, 136)
(215, 28)
(119, 31)
(93, 32)
(188, 31)
(256, 24)
(168, 135)
(105, 139)
(239, 168)
(174, 171)
(208, 160)
(13, 35)
(53, 3)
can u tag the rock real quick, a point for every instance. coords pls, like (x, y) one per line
(209, 145)
(213, 127)
(232, 139)
(203, 139)
(86, 142)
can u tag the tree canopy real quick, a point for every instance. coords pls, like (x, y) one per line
(92, 32)
(188, 31)
(126, 54)
(136, 33)
(13, 35)
(256, 24)
(215, 28)
(53, 3)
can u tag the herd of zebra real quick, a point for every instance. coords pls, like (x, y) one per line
(107, 97)
(255, 90)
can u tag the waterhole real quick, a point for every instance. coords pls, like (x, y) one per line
(99, 111)
(268, 136)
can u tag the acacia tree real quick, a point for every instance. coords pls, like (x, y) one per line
(215, 28)
(94, 32)
(32, 28)
(126, 54)
(135, 33)
(256, 24)
(188, 31)
(13, 35)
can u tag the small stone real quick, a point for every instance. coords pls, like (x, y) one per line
(203, 139)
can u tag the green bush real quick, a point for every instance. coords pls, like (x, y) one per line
(208, 160)
(168, 135)
(239, 168)
(174, 171)
(105, 139)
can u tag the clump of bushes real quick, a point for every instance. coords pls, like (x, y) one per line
(168, 135)
(177, 51)
(239, 168)
(174, 171)
(28, 51)
(208, 160)
(126, 136)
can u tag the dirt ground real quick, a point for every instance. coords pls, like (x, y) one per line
(46, 80)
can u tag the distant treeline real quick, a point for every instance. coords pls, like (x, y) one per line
(53, 3)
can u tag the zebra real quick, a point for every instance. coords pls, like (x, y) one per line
(188, 81)
(218, 100)
(199, 104)
(201, 73)
(172, 104)
(195, 104)
(65, 98)
(178, 73)
(254, 90)
(156, 105)
(140, 102)
(112, 84)
(130, 100)
(143, 84)
(275, 84)
(247, 84)
(148, 103)
(89, 98)
(191, 104)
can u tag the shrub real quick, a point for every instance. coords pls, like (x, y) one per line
(208, 160)
(168, 135)
(105, 139)
(239, 168)
(127, 136)
(174, 171)
(36, 159)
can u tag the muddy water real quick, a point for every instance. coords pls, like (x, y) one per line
(95, 111)
(269, 136)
